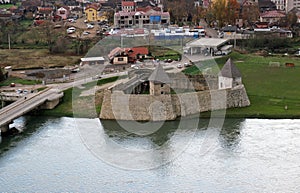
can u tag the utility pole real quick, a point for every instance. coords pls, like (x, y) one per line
(9, 41)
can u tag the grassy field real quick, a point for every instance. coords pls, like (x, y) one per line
(31, 58)
(270, 89)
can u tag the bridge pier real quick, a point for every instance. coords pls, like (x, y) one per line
(2, 104)
(4, 128)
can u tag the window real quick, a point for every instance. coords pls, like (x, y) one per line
(161, 85)
(162, 92)
(120, 59)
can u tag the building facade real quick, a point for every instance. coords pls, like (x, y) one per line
(290, 4)
(133, 16)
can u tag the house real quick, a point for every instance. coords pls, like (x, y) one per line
(63, 12)
(128, 6)
(77, 12)
(118, 56)
(127, 55)
(229, 76)
(136, 53)
(272, 16)
(45, 12)
(92, 12)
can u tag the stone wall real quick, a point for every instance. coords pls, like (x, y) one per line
(168, 107)
(118, 105)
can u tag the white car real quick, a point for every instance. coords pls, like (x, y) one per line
(71, 30)
(90, 26)
(179, 66)
(86, 33)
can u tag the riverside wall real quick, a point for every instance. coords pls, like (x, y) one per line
(120, 106)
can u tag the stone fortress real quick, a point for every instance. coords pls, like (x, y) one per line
(158, 96)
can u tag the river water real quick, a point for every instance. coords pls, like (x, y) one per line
(246, 155)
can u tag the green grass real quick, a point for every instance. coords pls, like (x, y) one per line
(65, 108)
(6, 6)
(10, 80)
(270, 89)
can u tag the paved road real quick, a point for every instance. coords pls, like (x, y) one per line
(26, 104)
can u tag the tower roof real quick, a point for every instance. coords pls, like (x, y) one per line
(159, 75)
(230, 70)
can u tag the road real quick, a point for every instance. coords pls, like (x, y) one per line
(25, 105)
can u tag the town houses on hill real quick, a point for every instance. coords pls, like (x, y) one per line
(131, 15)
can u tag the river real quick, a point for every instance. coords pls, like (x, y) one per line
(246, 155)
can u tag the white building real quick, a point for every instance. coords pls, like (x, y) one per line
(229, 76)
(290, 4)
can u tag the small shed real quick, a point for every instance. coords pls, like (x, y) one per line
(229, 76)
(92, 60)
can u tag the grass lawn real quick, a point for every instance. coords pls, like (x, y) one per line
(6, 6)
(270, 89)
(18, 81)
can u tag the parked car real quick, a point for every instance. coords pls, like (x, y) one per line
(179, 66)
(90, 26)
(71, 30)
(86, 33)
(96, 77)
(187, 64)
(72, 20)
(25, 91)
(19, 91)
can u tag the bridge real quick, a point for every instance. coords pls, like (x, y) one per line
(46, 99)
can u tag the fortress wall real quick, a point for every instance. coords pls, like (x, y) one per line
(136, 107)
(168, 107)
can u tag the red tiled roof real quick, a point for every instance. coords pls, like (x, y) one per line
(148, 8)
(137, 50)
(93, 6)
(128, 3)
(272, 14)
(45, 9)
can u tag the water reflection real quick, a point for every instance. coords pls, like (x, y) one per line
(28, 125)
(114, 129)
(250, 156)
(230, 134)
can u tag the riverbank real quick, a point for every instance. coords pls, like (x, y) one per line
(273, 90)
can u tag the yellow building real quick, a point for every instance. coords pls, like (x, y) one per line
(92, 13)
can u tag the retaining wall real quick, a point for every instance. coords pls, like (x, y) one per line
(117, 105)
